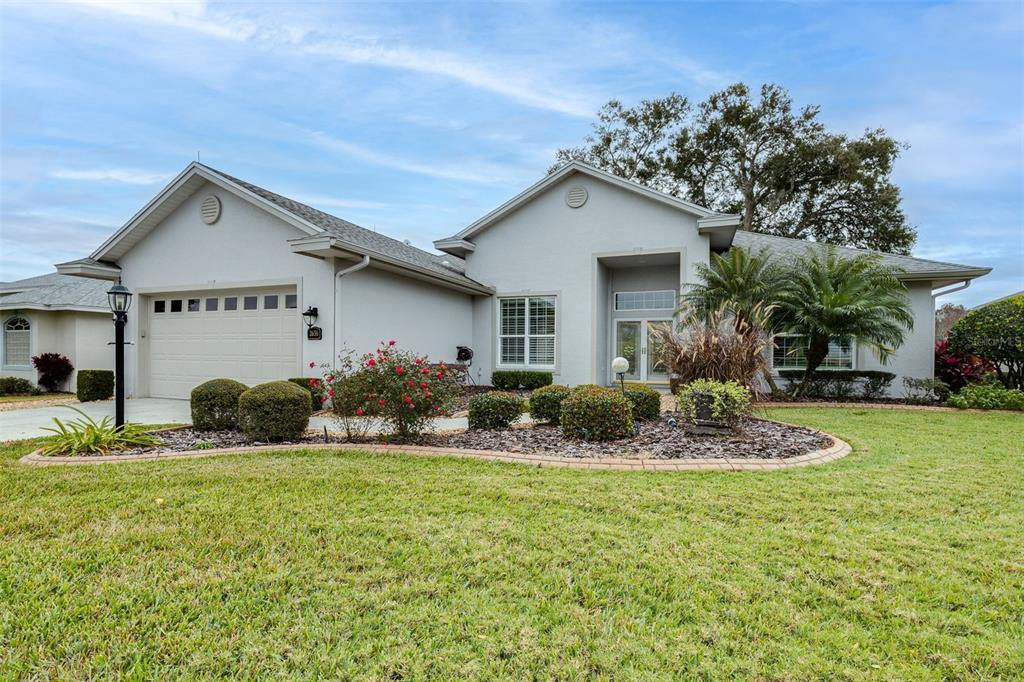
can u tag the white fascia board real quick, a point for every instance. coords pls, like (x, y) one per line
(456, 247)
(947, 275)
(90, 270)
(723, 220)
(54, 308)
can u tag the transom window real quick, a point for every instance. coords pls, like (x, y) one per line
(526, 331)
(645, 300)
(790, 353)
(17, 342)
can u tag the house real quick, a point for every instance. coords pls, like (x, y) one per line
(577, 269)
(55, 314)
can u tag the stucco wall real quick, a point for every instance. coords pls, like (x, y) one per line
(81, 337)
(916, 357)
(547, 246)
(246, 247)
(375, 304)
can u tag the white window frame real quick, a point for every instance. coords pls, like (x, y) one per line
(615, 300)
(527, 335)
(28, 332)
(822, 367)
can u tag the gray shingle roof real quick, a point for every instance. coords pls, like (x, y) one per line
(784, 247)
(356, 235)
(55, 291)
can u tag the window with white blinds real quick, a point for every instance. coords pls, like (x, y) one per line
(526, 331)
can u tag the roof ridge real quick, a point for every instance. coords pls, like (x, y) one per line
(856, 248)
(246, 184)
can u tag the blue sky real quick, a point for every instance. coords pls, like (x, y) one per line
(415, 119)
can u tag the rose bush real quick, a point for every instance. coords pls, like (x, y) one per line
(400, 387)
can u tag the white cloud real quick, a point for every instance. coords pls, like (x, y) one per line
(124, 175)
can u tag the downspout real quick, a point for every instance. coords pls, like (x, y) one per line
(960, 287)
(337, 316)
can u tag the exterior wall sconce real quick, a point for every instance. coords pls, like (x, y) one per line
(312, 333)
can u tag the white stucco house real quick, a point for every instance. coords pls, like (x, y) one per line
(576, 269)
(55, 314)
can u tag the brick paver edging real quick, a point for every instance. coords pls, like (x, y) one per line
(838, 449)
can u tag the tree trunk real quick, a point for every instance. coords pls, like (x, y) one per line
(817, 351)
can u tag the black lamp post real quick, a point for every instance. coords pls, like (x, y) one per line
(119, 299)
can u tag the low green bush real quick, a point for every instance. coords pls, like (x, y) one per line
(990, 396)
(86, 436)
(95, 384)
(215, 404)
(841, 383)
(12, 385)
(513, 379)
(645, 401)
(314, 386)
(924, 391)
(546, 403)
(494, 410)
(596, 413)
(724, 401)
(274, 411)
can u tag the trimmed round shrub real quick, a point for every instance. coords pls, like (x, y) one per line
(989, 396)
(531, 380)
(9, 385)
(215, 404)
(546, 402)
(707, 399)
(596, 413)
(314, 386)
(278, 410)
(494, 410)
(54, 369)
(95, 384)
(646, 401)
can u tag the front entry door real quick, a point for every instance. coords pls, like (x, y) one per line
(639, 341)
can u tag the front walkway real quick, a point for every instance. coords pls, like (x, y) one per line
(29, 423)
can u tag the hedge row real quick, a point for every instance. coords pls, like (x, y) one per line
(512, 379)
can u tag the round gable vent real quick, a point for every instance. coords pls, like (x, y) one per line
(210, 210)
(576, 196)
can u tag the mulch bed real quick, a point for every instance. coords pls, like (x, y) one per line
(755, 438)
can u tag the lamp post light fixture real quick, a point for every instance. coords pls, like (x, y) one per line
(620, 366)
(120, 300)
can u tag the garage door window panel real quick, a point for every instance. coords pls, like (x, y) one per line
(231, 303)
(250, 302)
(176, 306)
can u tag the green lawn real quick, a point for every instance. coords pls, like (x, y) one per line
(27, 398)
(905, 560)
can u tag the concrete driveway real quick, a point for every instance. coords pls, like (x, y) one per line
(30, 422)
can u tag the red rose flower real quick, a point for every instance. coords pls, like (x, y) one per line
(312, 365)
(440, 375)
(419, 361)
(399, 370)
(381, 402)
(371, 362)
(412, 406)
(411, 383)
(331, 392)
(391, 342)
(360, 412)
(312, 382)
(324, 399)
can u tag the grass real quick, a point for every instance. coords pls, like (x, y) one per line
(904, 560)
(31, 397)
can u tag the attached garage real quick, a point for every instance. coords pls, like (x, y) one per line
(251, 335)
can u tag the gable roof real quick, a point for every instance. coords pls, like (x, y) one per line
(459, 241)
(782, 248)
(55, 292)
(310, 221)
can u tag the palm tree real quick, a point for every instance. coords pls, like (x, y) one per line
(742, 285)
(827, 298)
(740, 281)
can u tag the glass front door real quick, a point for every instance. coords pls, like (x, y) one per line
(641, 343)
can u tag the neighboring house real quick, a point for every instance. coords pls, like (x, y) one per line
(55, 314)
(580, 267)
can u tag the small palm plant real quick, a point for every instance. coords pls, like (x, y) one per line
(86, 436)
(828, 298)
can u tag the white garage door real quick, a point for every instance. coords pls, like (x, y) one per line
(248, 335)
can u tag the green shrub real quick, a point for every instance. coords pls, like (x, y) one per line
(596, 413)
(994, 332)
(215, 404)
(95, 384)
(278, 410)
(494, 410)
(86, 436)
(513, 379)
(987, 397)
(924, 391)
(314, 386)
(723, 401)
(840, 383)
(546, 402)
(645, 401)
(10, 385)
